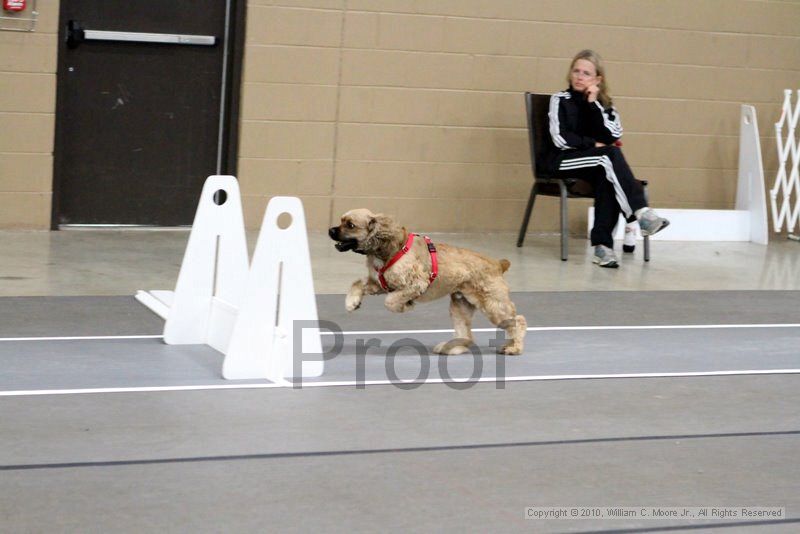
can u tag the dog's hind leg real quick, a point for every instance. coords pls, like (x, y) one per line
(503, 314)
(461, 312)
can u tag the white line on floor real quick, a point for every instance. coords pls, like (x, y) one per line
(574, 328)
(79, 338)
(151, 389)
(448, 331)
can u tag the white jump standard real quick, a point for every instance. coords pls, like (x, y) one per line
(746, 222)
(247, 313)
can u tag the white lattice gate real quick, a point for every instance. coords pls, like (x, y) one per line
(785, 194)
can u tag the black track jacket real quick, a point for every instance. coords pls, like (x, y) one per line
(576, 124)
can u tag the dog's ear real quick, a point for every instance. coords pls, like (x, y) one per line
(379, 223)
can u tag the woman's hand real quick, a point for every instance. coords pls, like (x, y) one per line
(598, 144)
(591, 93)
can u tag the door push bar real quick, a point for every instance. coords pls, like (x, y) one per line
(76, 35)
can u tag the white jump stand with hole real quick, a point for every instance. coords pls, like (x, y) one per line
(247, 313)
(747, 222)
(279, 292)
(211, 283)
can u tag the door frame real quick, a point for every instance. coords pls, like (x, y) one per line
(228, 140)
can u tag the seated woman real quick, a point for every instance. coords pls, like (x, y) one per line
(584, 141)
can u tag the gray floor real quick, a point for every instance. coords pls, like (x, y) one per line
(33, 360)
(382, 458)
(431, 458)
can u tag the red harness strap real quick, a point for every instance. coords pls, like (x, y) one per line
(401, 253)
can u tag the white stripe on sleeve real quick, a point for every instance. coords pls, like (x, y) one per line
(615, 126)
(555, 128)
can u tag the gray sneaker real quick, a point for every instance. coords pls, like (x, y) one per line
(605, 257)
(651, 223)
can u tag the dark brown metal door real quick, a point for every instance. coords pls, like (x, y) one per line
(141, 100)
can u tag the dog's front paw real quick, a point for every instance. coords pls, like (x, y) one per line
(352, 303)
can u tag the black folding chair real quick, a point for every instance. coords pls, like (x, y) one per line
(544, 183)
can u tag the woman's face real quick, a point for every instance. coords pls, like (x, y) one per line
(583, 75)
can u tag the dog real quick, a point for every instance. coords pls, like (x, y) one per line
(472, 280)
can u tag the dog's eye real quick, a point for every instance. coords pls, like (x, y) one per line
(350, 225)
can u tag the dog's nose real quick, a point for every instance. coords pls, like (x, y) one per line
(334, 232)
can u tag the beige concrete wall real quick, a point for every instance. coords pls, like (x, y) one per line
(27, 120)
(415, 107)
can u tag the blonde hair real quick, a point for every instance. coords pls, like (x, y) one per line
(590, 55)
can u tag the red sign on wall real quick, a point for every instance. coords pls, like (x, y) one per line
(14, 5)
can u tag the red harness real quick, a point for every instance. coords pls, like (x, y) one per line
(401, 253)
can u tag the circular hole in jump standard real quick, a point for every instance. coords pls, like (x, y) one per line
(284, 220)
(220, 196)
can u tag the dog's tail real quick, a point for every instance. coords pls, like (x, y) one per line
(504, 264)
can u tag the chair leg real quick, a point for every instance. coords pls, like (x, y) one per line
(564, 229)
(647, 237)
(526, 218)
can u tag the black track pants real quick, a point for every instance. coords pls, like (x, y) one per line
(615, 187)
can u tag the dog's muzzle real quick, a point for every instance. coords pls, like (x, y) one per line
(342, 245)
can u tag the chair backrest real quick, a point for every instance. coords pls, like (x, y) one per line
(537, 108)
